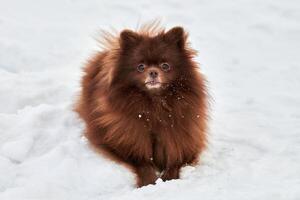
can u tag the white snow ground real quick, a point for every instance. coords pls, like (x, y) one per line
(249, 51)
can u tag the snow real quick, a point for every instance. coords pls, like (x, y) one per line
(249, 51)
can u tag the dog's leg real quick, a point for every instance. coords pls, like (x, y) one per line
(145, 175)
(171, 173)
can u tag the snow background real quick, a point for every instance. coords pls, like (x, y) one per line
(249, 51)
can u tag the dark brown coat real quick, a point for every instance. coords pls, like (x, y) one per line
(148, 131)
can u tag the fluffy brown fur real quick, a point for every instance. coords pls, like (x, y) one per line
(159, 129)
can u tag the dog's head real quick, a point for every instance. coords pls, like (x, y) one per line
(152, 63)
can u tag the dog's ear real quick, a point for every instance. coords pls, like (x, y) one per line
(176, 36)
(129, 39)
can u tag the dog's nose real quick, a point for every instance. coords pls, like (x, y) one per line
(153, 74)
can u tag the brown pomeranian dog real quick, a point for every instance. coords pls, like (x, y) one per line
(144, 102)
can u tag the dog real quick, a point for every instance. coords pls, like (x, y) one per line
(144, 102)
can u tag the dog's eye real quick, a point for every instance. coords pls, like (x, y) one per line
(141, 67)
(165, 67)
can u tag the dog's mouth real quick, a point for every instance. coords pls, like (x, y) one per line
(153, 84)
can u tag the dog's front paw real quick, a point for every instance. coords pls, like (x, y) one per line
(171, 173)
